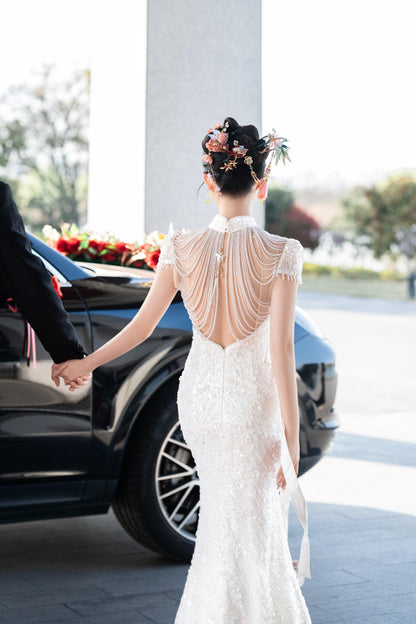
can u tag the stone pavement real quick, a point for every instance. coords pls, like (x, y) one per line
(362, 510)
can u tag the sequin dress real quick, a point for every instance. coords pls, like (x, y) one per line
(241, 570)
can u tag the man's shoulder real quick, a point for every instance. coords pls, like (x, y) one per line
(5, 191)
(9, 213)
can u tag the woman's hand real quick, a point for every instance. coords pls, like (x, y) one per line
(294, 452)
(75, 373)
(280, 479)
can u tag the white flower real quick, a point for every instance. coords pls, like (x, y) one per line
(50, 233)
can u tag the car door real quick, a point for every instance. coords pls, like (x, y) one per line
(45, 431)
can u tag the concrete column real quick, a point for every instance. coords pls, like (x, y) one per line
(163, 73)
(204, 64)
(118, 119)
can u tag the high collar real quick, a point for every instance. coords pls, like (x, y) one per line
(232, 224)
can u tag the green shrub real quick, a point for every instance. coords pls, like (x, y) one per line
(387, 274)
(316, 269)
(353, 273)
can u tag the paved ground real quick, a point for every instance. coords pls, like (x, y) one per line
(361, 506)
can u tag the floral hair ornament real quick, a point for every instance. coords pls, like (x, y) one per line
(271, 143)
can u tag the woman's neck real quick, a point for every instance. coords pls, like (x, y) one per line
(235, 206)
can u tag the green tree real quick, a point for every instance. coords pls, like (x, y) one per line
(44, 146)
(382, 217)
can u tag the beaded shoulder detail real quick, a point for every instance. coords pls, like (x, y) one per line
(167, 257)
(226, 271)
(290, 263)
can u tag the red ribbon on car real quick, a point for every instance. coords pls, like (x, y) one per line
(56, 286)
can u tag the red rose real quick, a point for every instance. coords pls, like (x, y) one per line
(72, 245)
(62, 245)
(122, 247)
(111, 256)
(152, 258)
(138, 264)
(97, 245)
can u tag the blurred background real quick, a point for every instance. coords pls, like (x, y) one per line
(103, 107)
(336, 80)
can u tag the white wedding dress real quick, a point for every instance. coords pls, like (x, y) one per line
(241, 570)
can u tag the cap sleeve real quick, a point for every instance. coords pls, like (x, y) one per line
(291, 261)
(167, 252)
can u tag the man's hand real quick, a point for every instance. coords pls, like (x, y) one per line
(75, 373)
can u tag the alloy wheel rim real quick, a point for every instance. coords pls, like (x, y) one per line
(177, 484)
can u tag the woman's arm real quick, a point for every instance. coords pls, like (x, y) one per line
(282, 352)
(140, 327)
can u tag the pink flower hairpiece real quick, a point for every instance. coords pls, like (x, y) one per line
(218, 139)
(272, 142)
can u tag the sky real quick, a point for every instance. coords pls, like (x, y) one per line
(338, 78)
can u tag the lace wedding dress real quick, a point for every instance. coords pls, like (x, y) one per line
(241, 570)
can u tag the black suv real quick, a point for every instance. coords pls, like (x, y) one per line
(117, 440)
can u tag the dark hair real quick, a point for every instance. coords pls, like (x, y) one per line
(237, 181)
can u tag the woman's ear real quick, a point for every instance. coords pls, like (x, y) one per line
(208, 181)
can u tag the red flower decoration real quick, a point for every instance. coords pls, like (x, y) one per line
(122, 247)
(152, 258)
(62, 245)
(72, 244)
(80, 246)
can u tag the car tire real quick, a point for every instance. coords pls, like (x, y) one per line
(137, 503)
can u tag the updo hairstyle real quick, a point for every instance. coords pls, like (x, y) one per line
(238, 181)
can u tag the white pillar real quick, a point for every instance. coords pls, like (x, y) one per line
(164, 71)
(118, 119)
(204, 64)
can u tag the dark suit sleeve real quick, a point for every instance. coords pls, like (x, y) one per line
(29, 283)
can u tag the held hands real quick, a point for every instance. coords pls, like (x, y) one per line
(75, 373)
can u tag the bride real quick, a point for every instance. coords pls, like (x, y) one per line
(237, 397)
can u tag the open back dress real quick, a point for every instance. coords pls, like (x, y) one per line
(241, 570)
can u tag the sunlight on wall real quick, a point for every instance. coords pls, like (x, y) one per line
(118, 120)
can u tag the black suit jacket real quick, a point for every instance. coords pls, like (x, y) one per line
(26, 279)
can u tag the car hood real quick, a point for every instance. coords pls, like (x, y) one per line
(118, 274)
(108, 286)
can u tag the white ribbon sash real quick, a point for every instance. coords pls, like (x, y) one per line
(292, 492)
